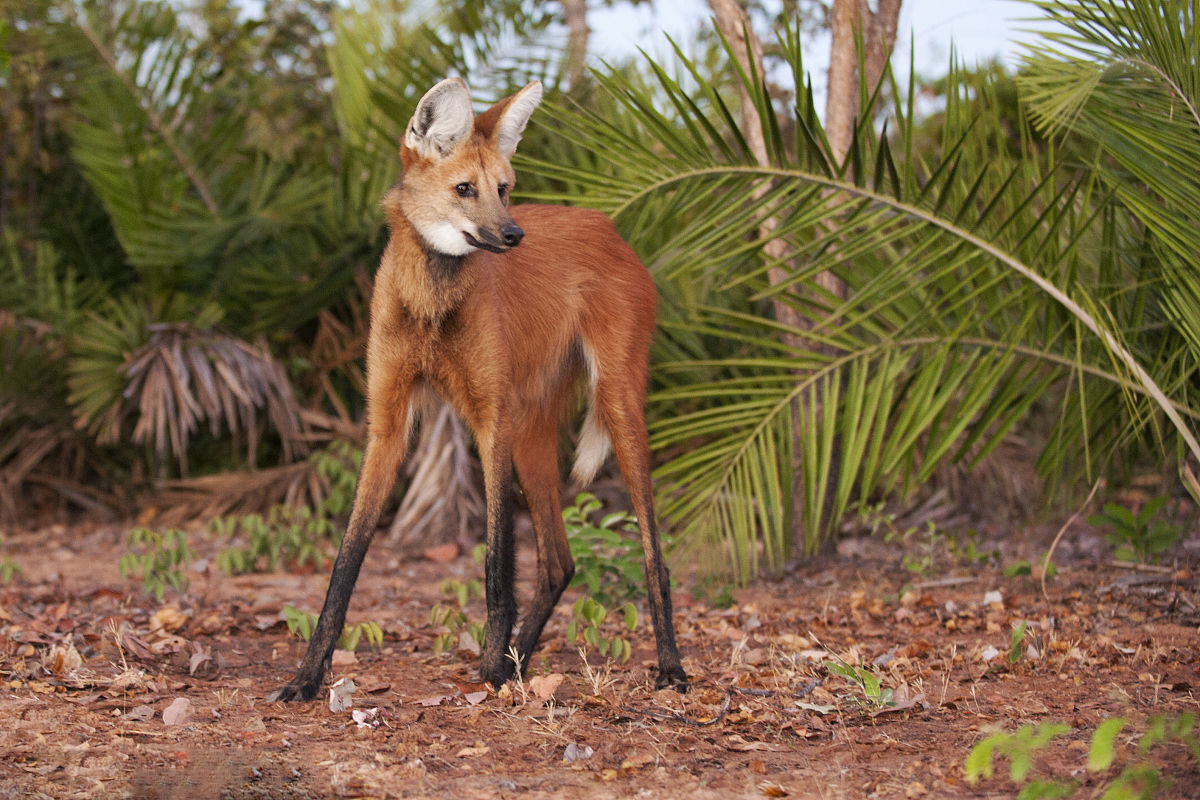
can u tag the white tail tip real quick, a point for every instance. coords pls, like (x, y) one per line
(594, 446)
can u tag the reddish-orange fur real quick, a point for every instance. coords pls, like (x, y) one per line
(507, 338)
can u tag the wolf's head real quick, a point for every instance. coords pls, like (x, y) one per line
(457, 170)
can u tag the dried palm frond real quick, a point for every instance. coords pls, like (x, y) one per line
(42, 457)
(303, 484)
(443, 501)
(210, 496)
(48, 458)
(182, 377)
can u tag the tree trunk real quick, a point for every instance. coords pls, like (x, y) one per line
(577, 40)
(841, 112)
(878, 30)
(841, 96)
(735, 26)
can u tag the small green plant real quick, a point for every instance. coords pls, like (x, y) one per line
(302, 624)
(607, 555)
(1138, 780)
(1138, 537)
(714, 590)
(1019, 748)
(455, 621)
(874, 695)
(160, 559)
(290, 536)
(965, 548)
(287, 536)
(1024, 567)
(923, 561)
(338, 466)
(1017, 641)
(931, 541)
(9, 569)
(588, 617)
(462, 591)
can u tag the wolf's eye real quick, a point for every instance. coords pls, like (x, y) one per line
(465, 190)
(503, 190)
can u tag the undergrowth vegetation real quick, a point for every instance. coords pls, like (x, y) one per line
(1017, 264)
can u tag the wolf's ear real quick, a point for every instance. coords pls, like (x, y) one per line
(514, 113)
(443, 120)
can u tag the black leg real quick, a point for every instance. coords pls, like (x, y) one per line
(495, 666)
(374, 482)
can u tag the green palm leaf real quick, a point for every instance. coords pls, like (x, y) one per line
(970, 298)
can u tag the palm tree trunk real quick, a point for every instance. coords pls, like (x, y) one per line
(878, 30)
(841, 113)
(747, 48)
(577, 39)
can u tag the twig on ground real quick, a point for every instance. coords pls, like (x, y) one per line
(1061, 531)
(670, 716)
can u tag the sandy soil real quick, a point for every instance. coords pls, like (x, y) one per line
(105, 692)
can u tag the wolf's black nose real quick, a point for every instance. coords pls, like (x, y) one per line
(512, 234)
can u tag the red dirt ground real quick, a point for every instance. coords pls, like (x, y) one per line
(89, 665)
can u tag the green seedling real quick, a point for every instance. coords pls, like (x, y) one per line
(302, 624)
(1138, 537)
(588, 616)
(874, 695)
(1137, 781)
(607, 554)
(159, 559)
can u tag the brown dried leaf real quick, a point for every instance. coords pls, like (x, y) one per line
(480, 749)
(178, 713)
(167, 619)
(740, 745)
(544, 686)
(442, 553)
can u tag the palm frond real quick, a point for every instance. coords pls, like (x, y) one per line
(1121, 74)
(169, 378)
(971, 298)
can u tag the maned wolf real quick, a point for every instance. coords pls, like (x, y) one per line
(506, 334)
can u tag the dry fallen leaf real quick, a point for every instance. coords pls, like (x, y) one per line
(140, 713)
(480, 749)
(62, 660)
(199, 657)
(178, 713)
(740, 745)
(127, 679)
(168, 644)
(574, 752)
(167, 619)
(366, 718)
(544, 686)
(467, 643)
(637, 760)
(475, 698)
(340, 695)
(442, 553)
(433, 701)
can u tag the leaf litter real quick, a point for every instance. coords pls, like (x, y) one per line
(86, 660)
